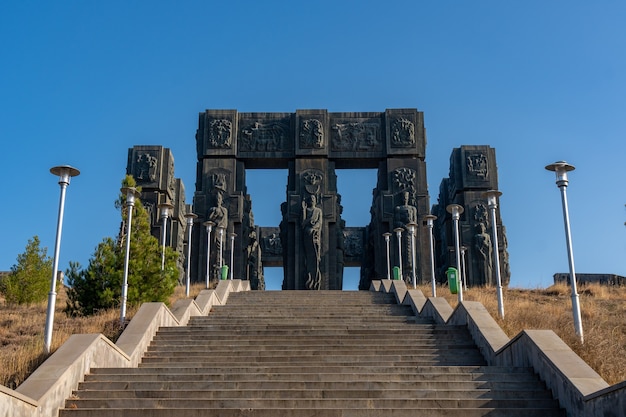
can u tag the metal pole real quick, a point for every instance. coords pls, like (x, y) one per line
(462, 271)
(398, 231)
(209, 225)
(561, 168)
(221, 232)
(412, 227)
(232, 254)
(386, 236)
(456, 212)
(131, 193)
(165, 212)
(429, 223)
(190, 218)
(65, 172)
(492, 202)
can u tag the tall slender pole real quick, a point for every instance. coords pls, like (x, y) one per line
(165, 212)
(456, 212)
(398, 231)
(462, 271)
(492, 203)
(209, 225)
(429, 223)
(561, 169)
(386, 235)
(412, 227)
(221, 233)
(190, 218)
(232, 254)
(131, 193)
(64, 172)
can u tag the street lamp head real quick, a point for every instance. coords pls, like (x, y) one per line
(233, 236)
(398, 231)
(64, 172)
(220, 231)
(430, 219)
(455, 210)
(412, 227)
(561, 168)
(131, 194)
(165, 209)
(209, 225)
(190, 216)
(492, 198)
(386, 235)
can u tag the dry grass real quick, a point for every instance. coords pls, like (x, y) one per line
(603, 313)
(22, 329)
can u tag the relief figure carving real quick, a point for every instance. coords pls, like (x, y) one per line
(402, 133)
(145, 169)
(312, 219)
(220, 133)
(482, 244)
(477, 165)
(403, 179)
(263, 137)
(311, 134)
(404, 214)
(355, 137)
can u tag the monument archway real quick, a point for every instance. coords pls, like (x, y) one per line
(311, 243)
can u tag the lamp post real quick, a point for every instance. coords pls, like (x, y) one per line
(220, 231)
(387, 235)
(492, 203)
(430, 223)
(462, 271)
(190, 216)
(131, 194)
(412, 227)
(164, 210)
(398, 231)
(456, 212)
(64, 172)
(232, 254)
(561, 168)
(209, 226)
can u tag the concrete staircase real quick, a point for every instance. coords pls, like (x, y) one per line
(307, 353)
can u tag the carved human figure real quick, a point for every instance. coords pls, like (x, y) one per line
(404, 214)
(482, 244)
(312, 230)
(218, 214)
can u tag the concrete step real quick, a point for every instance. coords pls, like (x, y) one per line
(283, 393)
(469, 388)
(306, 354)
(372, 373)
(307, 403)
(315, 412)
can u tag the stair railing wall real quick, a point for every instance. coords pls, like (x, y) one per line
(46, 390)
(579, 389)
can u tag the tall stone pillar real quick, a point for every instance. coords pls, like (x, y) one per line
(400, 197)
(473, 171)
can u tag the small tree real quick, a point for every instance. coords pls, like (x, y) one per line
(99, 286)
(29, 280)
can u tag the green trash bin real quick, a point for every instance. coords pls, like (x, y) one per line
(396, 272)
(453, 280)
(224, 271)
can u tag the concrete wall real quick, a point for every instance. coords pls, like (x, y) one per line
(46, 390)
(579, 389)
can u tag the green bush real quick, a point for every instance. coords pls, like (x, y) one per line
(29, 280)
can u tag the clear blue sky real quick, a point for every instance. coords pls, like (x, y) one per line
(540, 81)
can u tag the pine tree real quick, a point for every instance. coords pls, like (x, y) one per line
(29, 280)
(99, 286)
